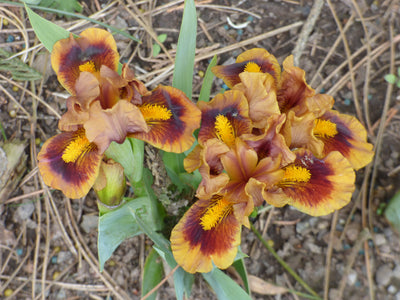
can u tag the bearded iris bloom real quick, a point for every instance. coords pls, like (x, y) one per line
(106, 107)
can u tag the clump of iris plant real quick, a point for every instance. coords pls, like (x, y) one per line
(270, 138)
(106, 106)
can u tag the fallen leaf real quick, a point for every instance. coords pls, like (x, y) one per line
(262, 287)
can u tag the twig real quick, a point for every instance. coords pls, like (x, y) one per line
(306, 30)
(329, 254)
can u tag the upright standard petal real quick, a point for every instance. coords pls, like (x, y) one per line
(225, 117)
(171, 118)
(70, 163)
(208, 233)
(314, 186)
(260, 91)
(254, 60)
(344, 133)
(87, 53)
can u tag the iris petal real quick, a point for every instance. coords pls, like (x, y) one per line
(315, 186)
(70, 163)
(195, 249)
(93, 45)
(171, 118)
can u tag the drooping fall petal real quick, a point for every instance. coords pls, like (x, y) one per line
(88, 52)
(225, 117)
(314, 186)
(253, 60)
(344, 133)
(171, 118)
(70, 163)
(208, 233)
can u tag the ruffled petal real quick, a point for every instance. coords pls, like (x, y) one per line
(92, 49)
(259, 60)
(314, 186)
(208, 233)
(225, 117)
(260, 91)
(171, 118)
(70, 163)
(107, 125)
(350, 139)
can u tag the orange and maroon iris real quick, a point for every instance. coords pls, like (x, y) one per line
(254, 60)
(314, 186)
(208, 233)
(69, 162)
(87, 53)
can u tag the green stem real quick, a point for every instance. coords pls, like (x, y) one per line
(283, 263)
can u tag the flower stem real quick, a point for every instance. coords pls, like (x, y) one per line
(283, 263)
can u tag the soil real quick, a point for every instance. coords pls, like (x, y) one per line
(48, 244)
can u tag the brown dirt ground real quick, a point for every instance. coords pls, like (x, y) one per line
(44, 251)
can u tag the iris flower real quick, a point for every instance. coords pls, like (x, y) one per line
(106, 107)
(210, 230)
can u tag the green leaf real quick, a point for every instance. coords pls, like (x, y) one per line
(66, 6)
(392, 212)
(152, 274)
(240, 267)
(156, 47)
(18, 69)
(207, 81)
(47, 32)
(118, 225)
(224, 286)
(185, 51)
(391, 78)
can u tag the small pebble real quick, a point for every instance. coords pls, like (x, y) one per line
(5, 22)
(54, 259)
(12, 113)
(10, 39)
(226, 27)
(224, 86)
(15, 88)
(383, 275)
(201, 73)
(240, 31)
(347, 102)
(250, 18)
(55, 275)
(392, 289)
(352, 277)
(19, 251)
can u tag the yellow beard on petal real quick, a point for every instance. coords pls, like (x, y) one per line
(224, 130)
(155, 112)
(215, 213)
(75, 149)
(324, 128)
(252, 67)
(295, 174)
(88, 67)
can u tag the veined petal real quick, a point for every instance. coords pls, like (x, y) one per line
(208, 232)
(294, 90)
(314, 186)
(92, 49)
(260, 91)
(225, 117)
(253, 60)
(171, 118)
(107, 125)
(349, 138)
(70, 163)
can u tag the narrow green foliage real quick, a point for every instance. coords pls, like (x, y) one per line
(224, 286)
(241, 269)
(18, 69)
(66, 6)
(152, 274)
(393, 79)
(47, 32)
(185, 51)
(207, 81)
